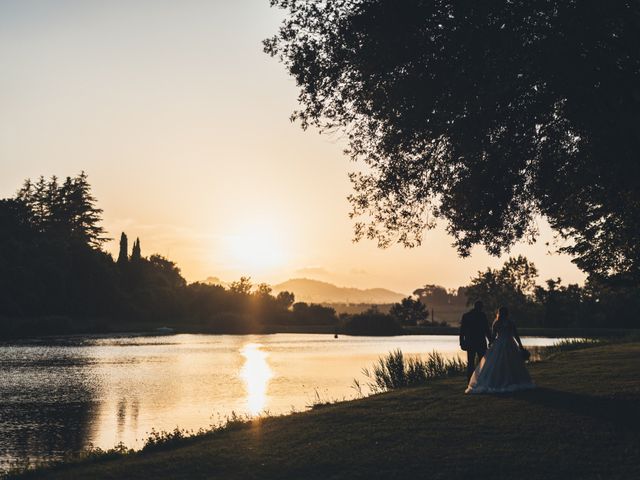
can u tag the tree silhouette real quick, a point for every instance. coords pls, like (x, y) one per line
(285, 299)
(263, 290)
(66, 211)
(78, 212)
(242, 286)
(433, 294)
(55, 278)
(514, 284)
(409, 311)
(123, 254)
(483, 114)
(136, 252)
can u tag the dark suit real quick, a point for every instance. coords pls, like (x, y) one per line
(474, 333)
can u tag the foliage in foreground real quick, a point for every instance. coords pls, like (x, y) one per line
(395, 371)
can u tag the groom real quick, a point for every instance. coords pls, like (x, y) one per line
(474, 333)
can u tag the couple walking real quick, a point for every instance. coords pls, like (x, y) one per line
(501, 366)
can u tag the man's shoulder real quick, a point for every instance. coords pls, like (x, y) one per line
(468, 317)
(474, 316)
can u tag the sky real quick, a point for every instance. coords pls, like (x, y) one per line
(182, 124)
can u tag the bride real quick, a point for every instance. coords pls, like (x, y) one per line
(502, 368)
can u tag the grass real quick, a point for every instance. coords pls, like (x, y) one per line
(582, 422)
(394, 371)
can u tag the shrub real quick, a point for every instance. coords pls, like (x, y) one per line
(372, 322)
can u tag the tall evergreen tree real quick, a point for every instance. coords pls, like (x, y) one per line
(66, 211)
(33, 195)
(136, 254)
(83, 215)
(124, 248)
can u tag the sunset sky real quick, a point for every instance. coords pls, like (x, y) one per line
(182, 124)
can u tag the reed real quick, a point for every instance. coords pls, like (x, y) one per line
(394, 371)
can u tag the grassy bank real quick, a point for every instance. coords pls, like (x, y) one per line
(582, 422)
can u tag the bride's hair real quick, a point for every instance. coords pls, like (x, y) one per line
(503, 314)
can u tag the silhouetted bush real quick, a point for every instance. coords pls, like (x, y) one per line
(313, 314)
(371, 322)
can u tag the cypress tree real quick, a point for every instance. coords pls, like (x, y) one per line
(124, 248)
(135, 252)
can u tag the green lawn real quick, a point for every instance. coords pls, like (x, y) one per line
(582, 422)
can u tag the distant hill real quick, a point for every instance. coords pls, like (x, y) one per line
(315, 291)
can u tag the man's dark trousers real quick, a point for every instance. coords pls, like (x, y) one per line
(472, 353)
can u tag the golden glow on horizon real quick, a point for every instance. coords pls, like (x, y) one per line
(255, 374)
(257, 249)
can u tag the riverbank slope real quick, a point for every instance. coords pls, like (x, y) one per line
(582, 422)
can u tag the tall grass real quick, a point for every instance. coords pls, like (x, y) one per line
(395, 371)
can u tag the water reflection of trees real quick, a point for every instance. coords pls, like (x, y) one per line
(48, 404)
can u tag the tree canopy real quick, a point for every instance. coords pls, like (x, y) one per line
(486, 115)
(66, 209)
(514, 285)
(409, 311)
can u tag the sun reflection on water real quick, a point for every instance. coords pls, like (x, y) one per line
(256, 374)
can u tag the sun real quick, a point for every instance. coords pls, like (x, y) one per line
(257, 248)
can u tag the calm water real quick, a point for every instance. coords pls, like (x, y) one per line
(64, 394)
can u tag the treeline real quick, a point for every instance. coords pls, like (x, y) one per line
(409, 312)
(603, 302)
(56, 278)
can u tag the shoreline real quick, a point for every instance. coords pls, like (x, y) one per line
(138, 331)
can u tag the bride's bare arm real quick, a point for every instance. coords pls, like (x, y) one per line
(488, 331)
(516, 336)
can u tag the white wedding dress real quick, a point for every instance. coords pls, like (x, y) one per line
(502, 368)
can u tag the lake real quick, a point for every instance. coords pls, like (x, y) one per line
(62, 394)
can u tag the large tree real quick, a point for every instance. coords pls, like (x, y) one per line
(513, 285)
(484, 114)
(409, 311)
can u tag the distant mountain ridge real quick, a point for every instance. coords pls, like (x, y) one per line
(315, 291)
